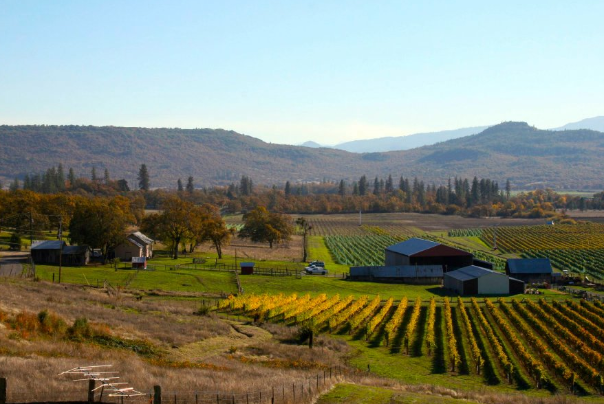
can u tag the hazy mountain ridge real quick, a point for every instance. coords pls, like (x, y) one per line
(394, 143)
(514, 150)
(595, 123)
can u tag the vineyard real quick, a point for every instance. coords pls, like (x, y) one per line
(578, 248)
(551, 345)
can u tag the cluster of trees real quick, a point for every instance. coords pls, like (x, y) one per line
(182, 222)
(99, 222)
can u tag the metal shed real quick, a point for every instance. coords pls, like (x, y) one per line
(414, 274)
(473, 280)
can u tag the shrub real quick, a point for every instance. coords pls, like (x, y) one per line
(51, 324)
(80, 329)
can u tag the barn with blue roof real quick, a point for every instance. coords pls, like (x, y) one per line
(417, 251)
(533, 270)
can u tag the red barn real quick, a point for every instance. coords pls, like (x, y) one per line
(417, 251)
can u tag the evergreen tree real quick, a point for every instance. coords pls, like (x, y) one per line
(179, 185)
(190, 187)
(288, 188)
(71, 177)
(389, 187)
(106, 178)
(342, 188)
(122, 185)
(355, 188)
(475, 192)
(93, 175)
(376, 186)
(143, 178)
(60, 178)
(363, 186)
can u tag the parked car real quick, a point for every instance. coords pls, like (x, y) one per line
(314, 270)
(317, 264)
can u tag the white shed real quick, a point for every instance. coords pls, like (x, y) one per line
(473, 280)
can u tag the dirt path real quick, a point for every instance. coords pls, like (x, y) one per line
(241, 336)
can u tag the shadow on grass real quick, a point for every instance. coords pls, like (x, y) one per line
(416, 348)
(396, 343)
(488, 370)
(464, 369)
(439, 364)
(379, 334)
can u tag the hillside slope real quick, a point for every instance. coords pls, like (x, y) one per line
(515, 150)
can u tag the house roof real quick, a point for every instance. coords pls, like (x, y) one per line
(411, 246)
(141, 238)
(471, 272)
(530, 266)
(47, 245)
(75, 249)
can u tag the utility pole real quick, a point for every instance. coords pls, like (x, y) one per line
(31, 232)
(60, 247)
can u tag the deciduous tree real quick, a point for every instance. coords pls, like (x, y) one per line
(264, 226)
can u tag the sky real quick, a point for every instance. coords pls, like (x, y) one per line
(294, 71)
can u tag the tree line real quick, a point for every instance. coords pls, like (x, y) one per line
(460, 196)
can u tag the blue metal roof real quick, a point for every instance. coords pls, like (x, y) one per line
(412, 246)
(48, 245)
(530, 266)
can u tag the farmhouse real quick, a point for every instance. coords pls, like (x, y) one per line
(417, 251)
(535, 270)
(136, 245)
(413, 274)
(49, 251)
(473, 280)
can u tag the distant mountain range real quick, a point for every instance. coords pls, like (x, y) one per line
(526, 155)
(384, 144)
(596, 123)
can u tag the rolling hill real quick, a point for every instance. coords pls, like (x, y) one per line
(515, 150)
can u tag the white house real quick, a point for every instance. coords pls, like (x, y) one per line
(136, 245)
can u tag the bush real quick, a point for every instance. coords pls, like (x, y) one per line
(51, 324)
(80, 329)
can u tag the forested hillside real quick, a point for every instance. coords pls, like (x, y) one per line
(513, 150)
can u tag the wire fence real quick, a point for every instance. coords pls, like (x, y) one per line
(301, 391)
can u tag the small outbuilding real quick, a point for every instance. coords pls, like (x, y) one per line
(533, 270)
(417, 251)
(247, 268)
(412, 274)
(53, 252)
(136, 245)
(474, 280)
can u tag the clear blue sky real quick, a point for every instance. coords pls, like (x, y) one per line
(292, 71)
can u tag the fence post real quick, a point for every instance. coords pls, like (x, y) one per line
(91, 385)
(2, 390)
(156, 394)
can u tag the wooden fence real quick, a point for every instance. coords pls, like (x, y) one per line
(301, 391)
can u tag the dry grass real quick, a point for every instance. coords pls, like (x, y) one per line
(227, 357)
